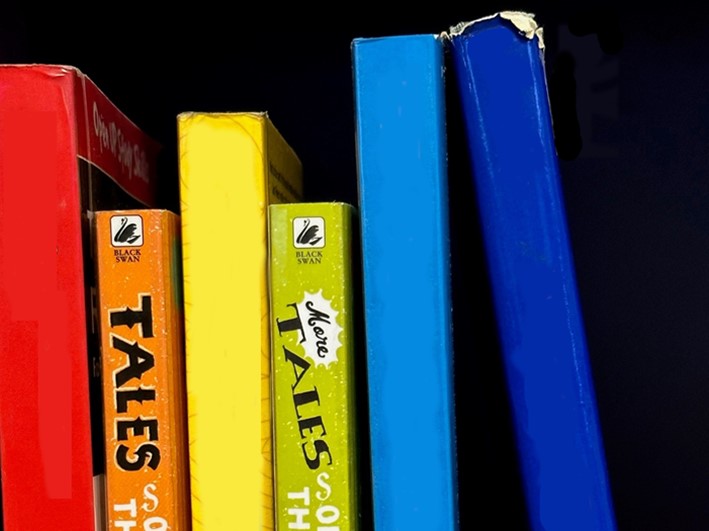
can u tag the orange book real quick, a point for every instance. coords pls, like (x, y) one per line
(142, 364)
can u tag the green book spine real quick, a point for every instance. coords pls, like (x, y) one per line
(313, 366)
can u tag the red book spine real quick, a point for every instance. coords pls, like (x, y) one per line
(114, 144)
(45, 437)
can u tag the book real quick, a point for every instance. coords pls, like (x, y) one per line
(65, 151)
(403, 207)
(232, 166)
(499, 62)
(313, 364)
(142, 364)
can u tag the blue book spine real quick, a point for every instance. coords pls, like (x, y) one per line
(402, 185)
(499, 68)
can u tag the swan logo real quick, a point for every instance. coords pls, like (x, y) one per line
(127, 231)
(309, 233)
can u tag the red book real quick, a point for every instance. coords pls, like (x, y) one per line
(65, 151)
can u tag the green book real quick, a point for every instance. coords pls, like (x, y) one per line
(312, 347)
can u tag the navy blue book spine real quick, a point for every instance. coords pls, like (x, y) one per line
(499, 64)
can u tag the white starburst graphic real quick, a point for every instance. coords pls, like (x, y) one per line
(320, 328)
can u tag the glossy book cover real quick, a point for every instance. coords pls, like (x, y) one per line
(499, 62)
(66, 151)
(313, 366)
(142, 366)
(403, 211)
(232, 166)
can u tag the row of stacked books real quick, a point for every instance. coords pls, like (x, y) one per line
(204, 370)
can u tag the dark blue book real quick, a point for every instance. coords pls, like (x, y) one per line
(499, 67)
(403, 203)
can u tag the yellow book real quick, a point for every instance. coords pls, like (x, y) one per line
(232, 166)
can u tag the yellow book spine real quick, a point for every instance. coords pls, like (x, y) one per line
(231, 167)
(141, 328)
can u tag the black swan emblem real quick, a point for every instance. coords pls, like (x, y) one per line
(309, 234)
(126, 234)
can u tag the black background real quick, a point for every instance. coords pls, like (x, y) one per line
(630, 101)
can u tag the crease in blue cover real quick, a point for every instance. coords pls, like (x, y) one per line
(402, 186)
(502, 84)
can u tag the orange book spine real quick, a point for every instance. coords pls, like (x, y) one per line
(142, 365)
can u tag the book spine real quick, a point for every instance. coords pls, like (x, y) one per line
(47, 286)
(45, 433)
(315, 441)
(224, 227)
(282, 174)
(117, 170)
(402, 179)
(116, 146)
(142, 367)
(501, 77)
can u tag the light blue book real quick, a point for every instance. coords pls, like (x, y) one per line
(402, 183)
(499, 62)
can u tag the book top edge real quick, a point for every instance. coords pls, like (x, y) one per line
(224, 114)
(52, 71)
(308, 204)
(140, 210)
(58, 69)
(524, 23)
(360, 40)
